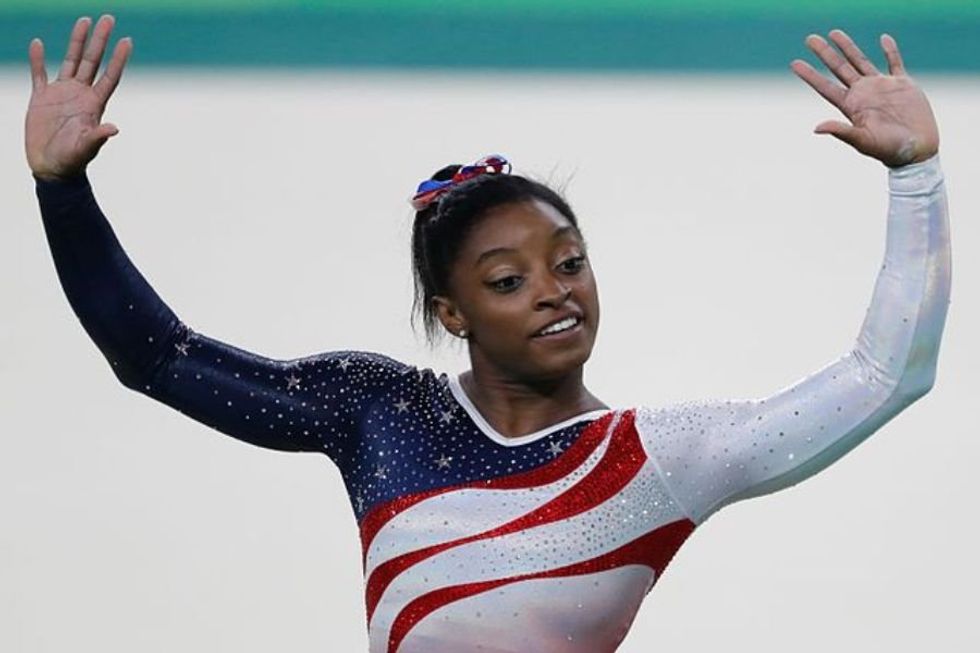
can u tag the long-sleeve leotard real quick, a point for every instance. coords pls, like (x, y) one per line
(473, 541)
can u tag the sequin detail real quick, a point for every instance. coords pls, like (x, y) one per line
(541, 545)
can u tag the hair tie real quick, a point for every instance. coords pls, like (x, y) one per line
(430, 189)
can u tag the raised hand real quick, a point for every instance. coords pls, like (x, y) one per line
(64, 129)
(890, 117)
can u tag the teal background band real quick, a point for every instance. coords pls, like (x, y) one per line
(484, 7)
(620, 36)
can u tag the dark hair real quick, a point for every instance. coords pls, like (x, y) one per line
(441, 228)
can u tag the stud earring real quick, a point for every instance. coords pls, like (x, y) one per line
(462, 333)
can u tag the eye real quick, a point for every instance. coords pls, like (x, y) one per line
(572, 265)
(506, 284)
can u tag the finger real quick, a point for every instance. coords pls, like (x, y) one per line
(114, 69)
(894, 57)
(841, 130)
(96, 48)
(104, 131)
(853, 53)
(96, 138)
(39, 75)
(833, 93)
(76, 43)
(844, 71)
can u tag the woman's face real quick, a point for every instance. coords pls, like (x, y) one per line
(522, 269)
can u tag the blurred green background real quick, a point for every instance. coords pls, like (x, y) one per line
(682, 35)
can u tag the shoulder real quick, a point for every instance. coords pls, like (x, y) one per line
(364, 373)
(352, 362)
(682, 413)
(347, 371)
(694, 413)
(684, 424)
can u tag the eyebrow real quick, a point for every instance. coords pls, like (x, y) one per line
(558, 233)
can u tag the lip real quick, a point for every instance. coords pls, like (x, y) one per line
(561, 334)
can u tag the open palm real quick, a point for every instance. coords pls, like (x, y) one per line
(890, 117)
(64, 129)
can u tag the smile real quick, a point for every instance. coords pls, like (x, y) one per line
(559, 327)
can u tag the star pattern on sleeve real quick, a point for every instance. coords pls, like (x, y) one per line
(392, 429)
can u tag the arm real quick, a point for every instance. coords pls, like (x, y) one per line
(311, 404)
(713, 453)
(287, 405)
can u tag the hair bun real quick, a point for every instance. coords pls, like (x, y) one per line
(430, 189)
(446, 173)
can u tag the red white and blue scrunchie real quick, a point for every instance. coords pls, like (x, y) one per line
(430, 189)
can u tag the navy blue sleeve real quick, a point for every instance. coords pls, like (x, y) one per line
(315, 403)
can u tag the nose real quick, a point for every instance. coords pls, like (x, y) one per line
(553, 293)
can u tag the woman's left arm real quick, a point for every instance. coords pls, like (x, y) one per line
(713, 453)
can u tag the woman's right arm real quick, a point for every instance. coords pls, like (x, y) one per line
(309, 404)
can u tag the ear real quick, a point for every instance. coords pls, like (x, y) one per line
(450, 315)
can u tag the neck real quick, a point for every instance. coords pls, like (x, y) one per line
(516, 407)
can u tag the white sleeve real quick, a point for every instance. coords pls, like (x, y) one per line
(712, 453)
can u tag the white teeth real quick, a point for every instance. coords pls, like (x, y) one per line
(567, 323)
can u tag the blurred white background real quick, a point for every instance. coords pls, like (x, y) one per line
(736, 252)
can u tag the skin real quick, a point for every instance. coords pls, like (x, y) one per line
(520, 384)
(523, 267)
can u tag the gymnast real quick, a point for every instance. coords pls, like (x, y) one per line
(509, 509)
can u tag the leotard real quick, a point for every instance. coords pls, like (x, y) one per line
(546, 542)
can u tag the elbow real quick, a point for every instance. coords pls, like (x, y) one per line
(917, 386)
(919, 374)
(915, 393)
(130, 376)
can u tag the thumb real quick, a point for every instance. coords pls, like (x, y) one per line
(97, 137)
(105, 131)
(842, 130)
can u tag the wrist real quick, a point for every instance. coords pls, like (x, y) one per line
(916, 177)
(68, 179)
(902, 161)
(46, 177)
(54, 191)
(53, 172)
(915, 148)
